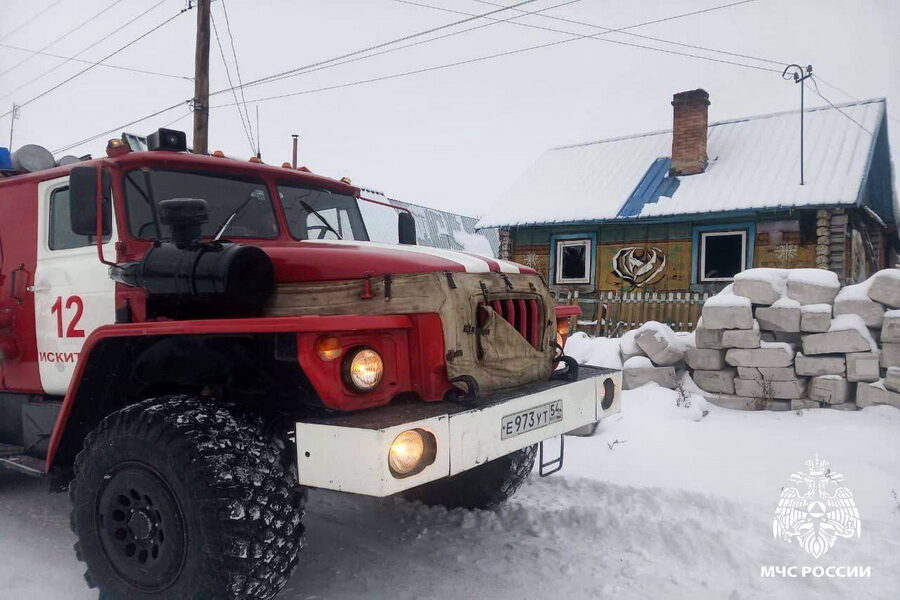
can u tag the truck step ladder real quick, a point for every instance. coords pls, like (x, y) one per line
(11, 457)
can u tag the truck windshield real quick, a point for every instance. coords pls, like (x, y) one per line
(316, 214)
(146, 188)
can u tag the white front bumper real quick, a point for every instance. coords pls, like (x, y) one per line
(350, 453)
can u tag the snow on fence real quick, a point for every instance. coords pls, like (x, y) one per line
(611, 314)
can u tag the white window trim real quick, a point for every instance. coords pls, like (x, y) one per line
(560, 244)
(706, 234)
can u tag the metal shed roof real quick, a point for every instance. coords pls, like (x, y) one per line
(753, 164)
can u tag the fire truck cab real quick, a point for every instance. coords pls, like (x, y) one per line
(188, 343)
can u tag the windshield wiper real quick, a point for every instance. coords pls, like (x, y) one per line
(232, 216)
(313, 211)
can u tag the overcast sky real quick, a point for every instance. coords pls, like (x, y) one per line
(452, 138)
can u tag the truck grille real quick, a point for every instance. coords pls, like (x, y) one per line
(522, 313)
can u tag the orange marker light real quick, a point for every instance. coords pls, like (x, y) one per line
(328, 348)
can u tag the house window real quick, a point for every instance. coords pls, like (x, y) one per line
(573, 261)
(723, 254)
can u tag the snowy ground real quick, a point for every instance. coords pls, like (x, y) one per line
(677, 508)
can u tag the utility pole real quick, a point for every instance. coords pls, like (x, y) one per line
(201, 80)
(295, 138)
(799, 76)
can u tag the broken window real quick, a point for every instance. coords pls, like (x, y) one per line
(573, 261)
(723, 254)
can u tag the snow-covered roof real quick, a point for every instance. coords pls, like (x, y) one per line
(434, 228)
(753, 164)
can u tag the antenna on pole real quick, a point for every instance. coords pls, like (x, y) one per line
(14, 114)
(295, 138)
(799, 75)
(258, 149)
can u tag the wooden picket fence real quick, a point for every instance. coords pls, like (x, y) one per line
(613, 313)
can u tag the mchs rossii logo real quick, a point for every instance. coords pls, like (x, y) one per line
(817, 511)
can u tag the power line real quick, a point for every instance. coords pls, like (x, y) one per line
(609, 41)
(230, 83)
(80, 52)
(642, 36)
(30, 20)
(320, 64)
(91, 62)
(237, 65)
(62, 37)
(852, 97)
(815, 89)
(108, 56)
(291, 72)
(484, 58)
(121, 127)
(425, 41)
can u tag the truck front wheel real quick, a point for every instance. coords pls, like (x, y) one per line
(484, 486)
(182, 497)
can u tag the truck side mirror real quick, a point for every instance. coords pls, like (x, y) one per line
(406, 229)
(83, 201)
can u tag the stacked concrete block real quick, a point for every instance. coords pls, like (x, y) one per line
(885, 288)
(890, 328)
(716, 382)
(705, 359)
(873, 394)
(796, 339)
(863, 366)
(660, 346)
(742, 338)
(635, 377)
(812, 286)
(892, 379)
(831, 389)
(725, 310)
(824, 364)
(783, 315)
(711, 339)
(767, 373)
(761, 388)
(815, 318)
(855, 300)
(890, 355)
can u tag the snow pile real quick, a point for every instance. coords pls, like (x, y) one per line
(600, 352)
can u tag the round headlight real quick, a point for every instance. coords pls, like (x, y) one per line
(364, 369)
(411, 452)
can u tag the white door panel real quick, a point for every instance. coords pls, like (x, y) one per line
(73, 296)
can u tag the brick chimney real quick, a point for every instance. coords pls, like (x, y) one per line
(691, 118)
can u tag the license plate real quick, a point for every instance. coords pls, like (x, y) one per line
(531, 419)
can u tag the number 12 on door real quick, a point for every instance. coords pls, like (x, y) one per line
(74, 309)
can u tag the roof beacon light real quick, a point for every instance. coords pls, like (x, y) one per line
(116, 147)
(167, 139)
(5, 160)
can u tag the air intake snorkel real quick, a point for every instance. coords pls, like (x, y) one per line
(186, 277)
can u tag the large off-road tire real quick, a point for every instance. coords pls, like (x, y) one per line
(483, 487)
(182, 497)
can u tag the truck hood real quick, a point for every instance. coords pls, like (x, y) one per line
(333, 260)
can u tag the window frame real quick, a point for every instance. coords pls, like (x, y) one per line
(363, 226)
(91, 241)
(743, 233)
(261, 181)
(558, 245)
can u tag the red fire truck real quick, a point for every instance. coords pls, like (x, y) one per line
(189, 343)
